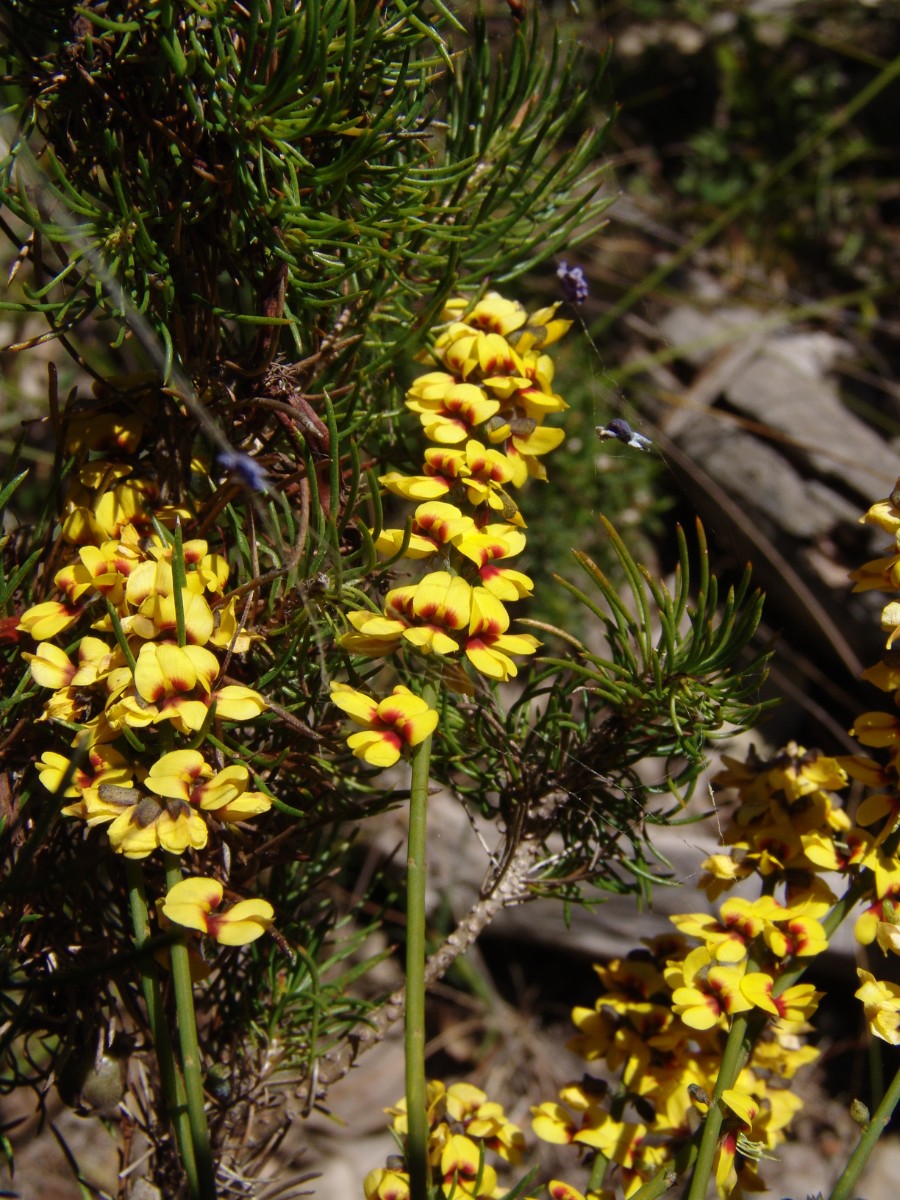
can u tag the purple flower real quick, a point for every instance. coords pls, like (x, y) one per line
(573, 283)
(247, 469)
(622, 431)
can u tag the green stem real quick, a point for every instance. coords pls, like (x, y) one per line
(173, 1084)
(414, 1038)
(743, 1033)
(665, 1177)
(190, 1051)
(179, 584)
(858, 889)
(119, 632)
(599, 1168)
(846, 1185)
(737, 1048)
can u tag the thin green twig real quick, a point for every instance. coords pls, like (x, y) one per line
(737, 1049)
(190, 1052)
(173, 1084)
(416, 1103)
(845, 1186)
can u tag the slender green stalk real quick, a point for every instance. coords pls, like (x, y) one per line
(190, 1051)
(599, 1169)
(119, 632)
(741, 1037)
(414, 1039)
(737, 1047)
(179, 583)
(664, 1178)
(173, 1084)
(846, 1185)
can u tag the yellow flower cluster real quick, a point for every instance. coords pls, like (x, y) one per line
(402, 719)
(661, 1022)
(463, 1127)
(660, 1026)
(877, 838)
(149, 619)
(484, 409)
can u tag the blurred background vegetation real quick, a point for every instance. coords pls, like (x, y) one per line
(755, 159)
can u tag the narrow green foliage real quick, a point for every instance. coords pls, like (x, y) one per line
(687, 670)
(666, 684)
(358, 192)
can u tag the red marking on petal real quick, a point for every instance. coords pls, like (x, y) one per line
(453, 618)
(488, 629)
(389, 716)
(458, 423)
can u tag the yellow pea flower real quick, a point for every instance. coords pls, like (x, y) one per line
(193, 902)
(47, 619)
(881, 1004)
(403, 719)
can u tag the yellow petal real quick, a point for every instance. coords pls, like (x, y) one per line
(237, 703)
(245, 922)
(381, 748)
(197, 890)
(355, 704)
(46, 620)
(51, 667)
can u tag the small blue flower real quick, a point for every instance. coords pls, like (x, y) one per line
(622, 431)
(247, 469)
(573, 283)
